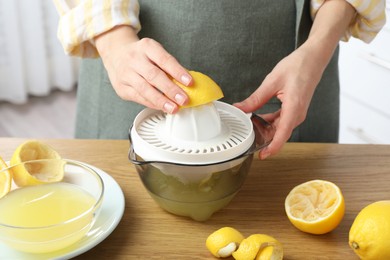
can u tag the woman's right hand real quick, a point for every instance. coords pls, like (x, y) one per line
(140, 70)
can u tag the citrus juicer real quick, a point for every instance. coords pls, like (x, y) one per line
(204, 135)
(204, 151)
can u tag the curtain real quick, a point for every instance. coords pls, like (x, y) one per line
(32, 61)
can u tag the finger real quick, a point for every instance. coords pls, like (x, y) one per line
(258, 98)
(158, 79)
(271, 117)
(285, 125)
(167, 62)
(146, 93)
(136, 97)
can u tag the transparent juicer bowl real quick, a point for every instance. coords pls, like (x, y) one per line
(199, 190)
(198, 199)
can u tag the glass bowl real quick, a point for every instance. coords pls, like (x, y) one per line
(53, 215)
(178, 189)
(199, 190)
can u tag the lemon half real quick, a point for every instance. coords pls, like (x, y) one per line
(5, 179)
(204, 90)
(35, 173)
(315, 207)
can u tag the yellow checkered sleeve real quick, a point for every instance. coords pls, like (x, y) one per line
(369, 20)
(82, 20)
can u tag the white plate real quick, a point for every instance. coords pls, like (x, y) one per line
(111, 212)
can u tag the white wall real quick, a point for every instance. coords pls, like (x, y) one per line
(365, 89)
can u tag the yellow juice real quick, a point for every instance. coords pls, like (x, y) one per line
(49, 216)
(198, 199)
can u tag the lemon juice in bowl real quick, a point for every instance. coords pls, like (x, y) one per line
(52, 216)
(199, 198)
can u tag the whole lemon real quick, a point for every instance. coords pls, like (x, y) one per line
(369, 235)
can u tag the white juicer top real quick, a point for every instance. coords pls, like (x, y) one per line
(206, 134)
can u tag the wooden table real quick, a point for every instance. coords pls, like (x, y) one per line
(146, 231)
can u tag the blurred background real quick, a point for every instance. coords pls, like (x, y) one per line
(365, 89)
(38, 82)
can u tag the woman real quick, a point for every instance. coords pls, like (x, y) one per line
(279, 57)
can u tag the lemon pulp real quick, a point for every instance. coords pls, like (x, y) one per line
(48, 205)
(315, 206)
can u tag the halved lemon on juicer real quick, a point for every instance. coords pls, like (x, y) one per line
(204, 90)
(38, 173)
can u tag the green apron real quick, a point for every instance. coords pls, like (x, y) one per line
(235, 42)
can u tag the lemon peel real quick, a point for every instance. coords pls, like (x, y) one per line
(5, 179)
(35, 173)
(224, 241)
(315, 207)
(259, 247)
(204, 90)
(369, 235)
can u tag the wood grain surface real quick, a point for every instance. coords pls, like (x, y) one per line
(147, 232)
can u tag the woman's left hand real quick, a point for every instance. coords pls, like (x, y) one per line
(292, 81)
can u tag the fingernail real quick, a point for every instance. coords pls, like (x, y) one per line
(180, 99)
(168, 107)
(185, 79)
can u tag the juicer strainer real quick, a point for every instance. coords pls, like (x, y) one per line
(193, 163)
(205, 135)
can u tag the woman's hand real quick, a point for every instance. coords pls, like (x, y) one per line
(294, 79)
(140, 70)
(293, 82)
